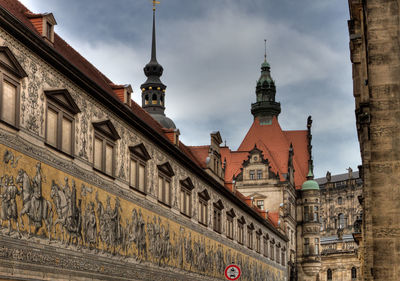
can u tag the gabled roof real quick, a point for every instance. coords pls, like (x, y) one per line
(275, 144)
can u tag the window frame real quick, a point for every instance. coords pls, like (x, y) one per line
(265, 245)
(203, 198)
(229, 225)
(250, 234)
(240, 225)
(217, 216)
(106, 133)
(139, 154)
(12, 72)
(61, 114)
(186, 188)
(258, 241)
(6, 76)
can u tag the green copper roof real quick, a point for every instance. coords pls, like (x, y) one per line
(265, 64)
(310, 185)
(265, 74)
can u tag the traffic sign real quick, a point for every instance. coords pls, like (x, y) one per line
(232, 272)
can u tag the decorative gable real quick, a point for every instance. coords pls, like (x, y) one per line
(187, 183)
(204, 195)
(166, 168)
(255, 157)
(140, 151)
(107, 129)
(10, 63)
(63, 98)
(242, 220)
(231, 213)
(219, 205)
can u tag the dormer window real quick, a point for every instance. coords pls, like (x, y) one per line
(49, 30)
(44, 24)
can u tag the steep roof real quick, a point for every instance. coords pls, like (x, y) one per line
(275, 145)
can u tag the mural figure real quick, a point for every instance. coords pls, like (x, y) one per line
(9, 158)
(138, 235)
(189, 250)
(37, 208)
(90, 226)
(69, 215)
(8, 203)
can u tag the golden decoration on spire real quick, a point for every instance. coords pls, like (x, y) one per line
(155, 3)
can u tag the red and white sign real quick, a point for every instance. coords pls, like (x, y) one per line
(232, 272)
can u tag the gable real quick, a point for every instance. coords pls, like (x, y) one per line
(63, 98)
(140, 151)
(107, 128)
(166, 168)
(10, 63)
(187, 183)
(204, 195)
(219, 205)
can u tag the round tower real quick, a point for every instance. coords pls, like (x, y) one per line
(309, 256)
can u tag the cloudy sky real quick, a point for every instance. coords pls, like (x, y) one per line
(211, 51)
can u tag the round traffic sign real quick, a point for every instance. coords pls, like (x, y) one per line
(232, 272)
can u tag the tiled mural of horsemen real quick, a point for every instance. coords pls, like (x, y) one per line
(138, 234)
(34, 205)
(68, 212)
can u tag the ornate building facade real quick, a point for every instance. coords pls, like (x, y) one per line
(340, 211)
(94, 187)
(374, 52)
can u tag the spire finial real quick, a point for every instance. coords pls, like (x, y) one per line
(154, 4)
(265, 50)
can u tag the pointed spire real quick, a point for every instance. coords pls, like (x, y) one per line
(153, 90)
(153, 42)
(265, 51)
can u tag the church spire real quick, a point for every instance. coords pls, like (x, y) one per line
(153, 90)
(265, 107)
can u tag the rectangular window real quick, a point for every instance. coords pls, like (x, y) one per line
(103, 155)
(203, 205)
(186, 201)
(259, 174)
(277, 255)
(249, 238)
(252, 174)
(306, 213)
(283, 259)
(258, 243)
(217, 220)
(66, 142)
(98, 153)
(306, 246)
(48, 30)
(229, 226)
(265, 247)
(52, 129)
(316, 214)
(260, 204)
(9, 103)
(137, 174)
(240, 233)
(164, 189)
(271, 251)
(316, 246)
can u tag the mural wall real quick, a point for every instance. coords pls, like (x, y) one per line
(44, 204)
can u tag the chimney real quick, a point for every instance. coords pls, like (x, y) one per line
(123, 93)
(44, 24)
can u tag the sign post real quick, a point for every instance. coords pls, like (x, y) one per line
(232, 272)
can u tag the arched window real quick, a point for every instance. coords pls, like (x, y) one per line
(146, 99)
(353, 273)
(329, 274)
(340, 201)
(154, 99)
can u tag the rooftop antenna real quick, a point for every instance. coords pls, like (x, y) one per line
(265, 50)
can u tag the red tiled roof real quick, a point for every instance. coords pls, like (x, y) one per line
(273, 217)
(275, 144)
(200, 153)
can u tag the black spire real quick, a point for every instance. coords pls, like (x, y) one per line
(265, 106)
(153, 90)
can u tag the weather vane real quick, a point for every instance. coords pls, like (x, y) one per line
(155, 3)
(265, 51)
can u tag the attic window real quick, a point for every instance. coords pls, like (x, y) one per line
(49, 27)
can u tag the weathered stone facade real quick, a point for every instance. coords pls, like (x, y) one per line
(374, 51)
(61, 218)
(340, 210)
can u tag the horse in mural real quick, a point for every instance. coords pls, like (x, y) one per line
(69, 215)
(34, 206)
